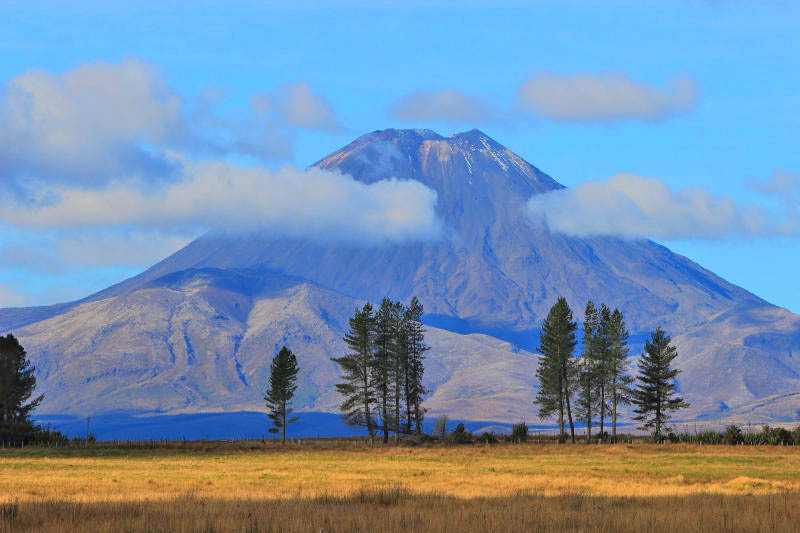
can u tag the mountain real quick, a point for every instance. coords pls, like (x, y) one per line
(194, 332)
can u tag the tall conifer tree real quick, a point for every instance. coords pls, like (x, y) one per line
(383, 364)
(281, 389)
(603, 347)
(587, 403)
(17, 384)
(620, 380)
(415, 390)
(655, 395)
(557, 371)
(357, 368)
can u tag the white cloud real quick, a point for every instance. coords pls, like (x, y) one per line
(634, 207)
(604, 98)
(447, 106)
(105, 122)
(88, 124)
(10, 297)
(295, 105)
(311, 203)
(587, 98)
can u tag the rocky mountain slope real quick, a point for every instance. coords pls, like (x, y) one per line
(194, 332)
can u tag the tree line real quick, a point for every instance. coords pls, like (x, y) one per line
(592, 386)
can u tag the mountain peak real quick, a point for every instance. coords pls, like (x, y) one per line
(440, 162)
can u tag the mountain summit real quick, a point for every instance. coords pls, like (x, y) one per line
(193, 333)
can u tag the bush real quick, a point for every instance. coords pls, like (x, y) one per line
(488, 438)
(775, 436)
(673, 438)
(732, 436)
(709, 437)
(440, 426)
(460, 435)
(519, 432)
(796, 436)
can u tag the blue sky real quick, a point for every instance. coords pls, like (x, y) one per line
(741, 125)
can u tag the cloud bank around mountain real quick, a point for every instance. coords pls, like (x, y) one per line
(583, 98)
(636, 207)
(309, 203)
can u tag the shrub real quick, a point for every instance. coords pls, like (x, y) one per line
(796, 436)
(709, 437)
(440, 426)
(733, 435)
(460, 435)
(775, 436)
(488, 438)
(519, 432)
(752, 438)
(673, 438)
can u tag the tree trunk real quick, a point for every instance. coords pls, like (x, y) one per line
(283, 426)
(589, 424)
(614, 415)
(569, 414)
(385, 411)
(602, 404)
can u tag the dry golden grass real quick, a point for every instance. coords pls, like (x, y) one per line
(351, 486)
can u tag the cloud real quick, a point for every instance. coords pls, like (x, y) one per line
(88, 124)
(446, 106)
(313, 203)
(10, 297)
(634, 207)
(295, 105)
(606, 97)
(586, 98)
(104, 122)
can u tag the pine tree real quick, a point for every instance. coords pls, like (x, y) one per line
(399, 367)
(415, 391)
(557, 371)
(655, 394)
(281, 389)
(385, 324)
(17, 383)
(587, 405)
(603, 347)
(358, 371)
(620, 380)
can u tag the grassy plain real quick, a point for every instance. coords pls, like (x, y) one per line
(345, 485)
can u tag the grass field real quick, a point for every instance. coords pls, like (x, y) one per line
(345, 485)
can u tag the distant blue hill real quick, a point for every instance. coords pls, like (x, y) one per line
(215, 426)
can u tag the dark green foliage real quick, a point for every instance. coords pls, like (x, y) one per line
(619, 380)
(519, 432)
(655, 397)
(280, 391)
(460, 435)
(17, 383)
(488, 438)
(587, 404)
(557, 372)
(733, 435)
(357, 368)
(440, 426)
(383, 372)
(414, 334)
(775, 436)
(383, 364)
